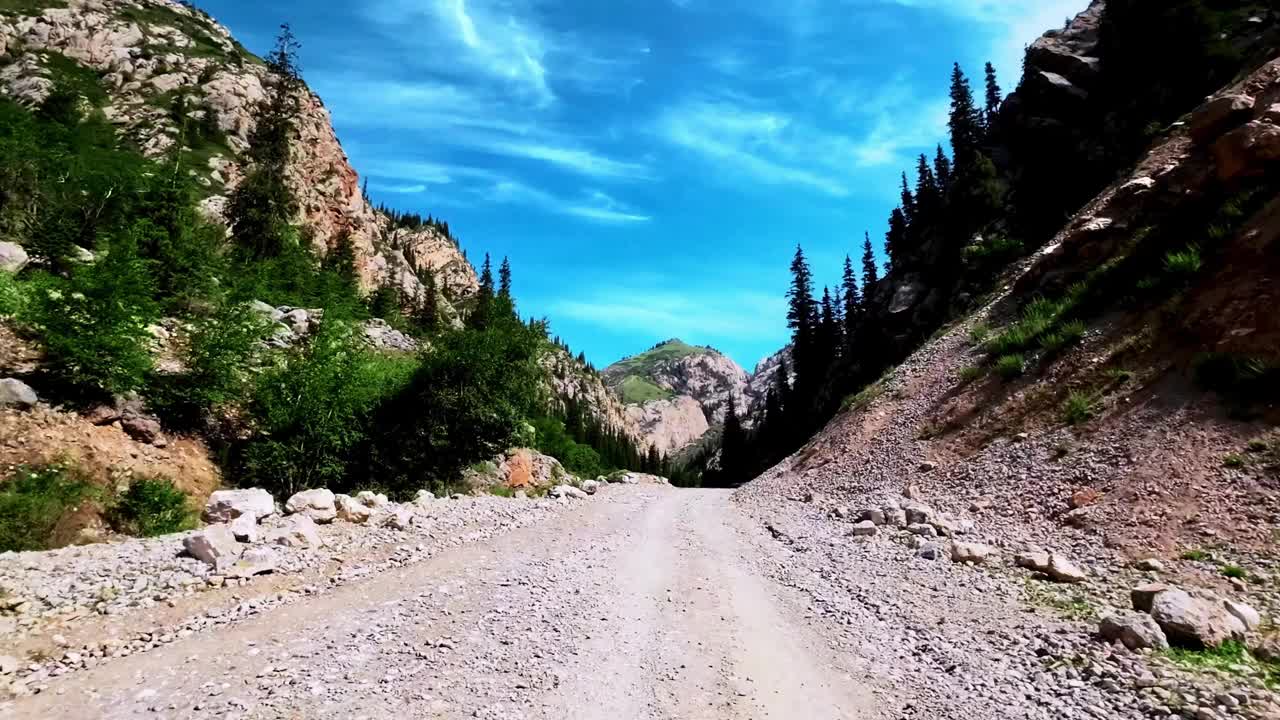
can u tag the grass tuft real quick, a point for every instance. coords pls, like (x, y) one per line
(152, 507)
(34, 499)
(1184, 264)
(1010, 366)
(1233, 461)
(1079, 408)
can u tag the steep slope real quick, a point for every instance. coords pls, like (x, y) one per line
(1156, 436)
(675, 392)
(570, 379)
(147, 63)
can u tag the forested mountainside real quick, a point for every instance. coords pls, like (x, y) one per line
(195, 291)
(1116, 84)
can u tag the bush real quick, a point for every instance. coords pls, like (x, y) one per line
(971, 373)
(1064, 337)
(220, 354)
(93, 326)
(1079, 408)
(311, 413)
(151, 507)
(467, 402)
(552, 439)
(1233, 461)
(1183, 264)
(33, 499)
(1010, 366)
(979, 333)
(11, 296)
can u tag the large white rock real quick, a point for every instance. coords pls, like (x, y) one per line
(590, 487)
(1064, 571)
(296, 531)
(1245, 614)
(567, 491)
(254, 561)
(227, 505)
(12, 257)
(371, 499)
(976, 553)
(351, 510)
(423, 499)
(866, 528)
(15, 393)
(245, 528)
(317, 504)
(1135, 631)
(1195, 620)
(396, 518)
(215, 545)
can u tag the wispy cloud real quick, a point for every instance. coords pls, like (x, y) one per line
(401, 189)
(591, 205)
(716, 315)
(576, 159)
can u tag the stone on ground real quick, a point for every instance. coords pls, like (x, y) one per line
(317, 504)
(227, 505)
(929, 551)
(567, 491)
(12, 257)
(1245, 614)
(254, 561)
(1136, 631)
(590, 487)
(15, 393)
(423, 498)
(371, 499)
(976, 553)
(296, 531)
(866, 528)
(1143, 595)
(396, 518)
(245, 528)
(1063, 570)
(1195, 621)
(215, 545)
(351, 509)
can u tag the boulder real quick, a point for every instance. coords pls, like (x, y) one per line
(245, 528)
(895, 517)
(266, 311)
(590, 487)
(254, 561)
(873, 516)
(1245, 614)
(423, 498)
(143, 428)
(1143, 595)
(1247, 152)
(919, 513)
(227, 505)
(1063, 570)
(398, 518)
(1150, 565)
(567, 491)
(1267, 647)
(17, 394)
(215, 546)
(1035, 560)
(317, 504)
(1220, 115)
(976, 553)
(1135, 631)
(866, 528)
(12, 257)
(929, 551)
(296, 531)
(351, 510)
(371, 499)
(1195, 620)
(922, 530)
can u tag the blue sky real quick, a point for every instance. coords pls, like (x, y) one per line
(647, 165)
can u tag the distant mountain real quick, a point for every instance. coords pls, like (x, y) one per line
(676, 392)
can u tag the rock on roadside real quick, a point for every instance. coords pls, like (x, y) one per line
(317, 504)
(15, 393)
(227, 505)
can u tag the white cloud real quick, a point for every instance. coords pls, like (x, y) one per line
(715, 316)
(593, 205)
(576, 159)
(401, 189)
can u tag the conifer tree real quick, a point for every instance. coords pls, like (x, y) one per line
(829, 334)
(733, 446)
(942, 170)
(870, 273)
(928, 197)
(965, 122)
(896, 240)
(483, 311)
(994, 96)
(852, 301)
(504, 279)
(908, 201)
(261, 208)
(802, 314)
(428, 310)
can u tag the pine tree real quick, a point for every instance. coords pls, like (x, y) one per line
(965, 122)
(994, 96)
(802, 312)
(870, 273)
(733, 444)
(428, 311)
(829, 329)
(908, 201)
(852, 301)
(942, 169)
(261, 208)
(928, 198)
(897, 239)
(504, 279)
(483, 312)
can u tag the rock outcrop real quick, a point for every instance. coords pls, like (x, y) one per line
(669, 425)
(148, 52)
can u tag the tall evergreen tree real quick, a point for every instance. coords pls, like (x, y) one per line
(427, 315)
(965, 122)
(942, 169)
(829, 328)
(504, 279)
(486, 276)
(994, 96)
(870, 272)
(896, 240)
(261, 208)
(852, 300)
(928, 197)
(484, 303)
(802, 314)
(908, 201)
(733, 446)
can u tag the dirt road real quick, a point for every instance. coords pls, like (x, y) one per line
(649, 604)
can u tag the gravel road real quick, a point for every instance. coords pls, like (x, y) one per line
(647, 602)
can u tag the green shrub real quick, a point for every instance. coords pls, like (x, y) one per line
(1235, 571)
(1078, 408)
(1119, 375)
(32, 501)
(551, 438)
(1233, 461)
(1259, 446)
(1196, 555)
(220, 355)
(994, 249)
(979, 333)
(1183, 264)
(970, 373)
(151, 507)
(863, 397)
(1010, 366)
(311, 413)
(11, 296)
(93, 326)
(466, 402)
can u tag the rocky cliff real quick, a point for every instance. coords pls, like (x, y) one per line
(675, 392)
(134, 59)
(572, 380)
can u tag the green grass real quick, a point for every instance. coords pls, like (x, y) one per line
(1079, 408)
(203, 43)
(1196, 555)
(1119, 375)
(1233, 461)
(979, 333)
(1184, 264)
(152, 507)
(502, 491)
(1070, 603)
(29, 7)
(1235, 571)
(863, 398)
(1010, 366)
(971, 373)
(1259, 446)
(637, 391)
(1226, 659)
(645, 362)
(994, 249)
(33, 499)
(1064, 337)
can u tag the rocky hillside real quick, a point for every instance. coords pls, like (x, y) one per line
(138, 60)
(675, 392)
